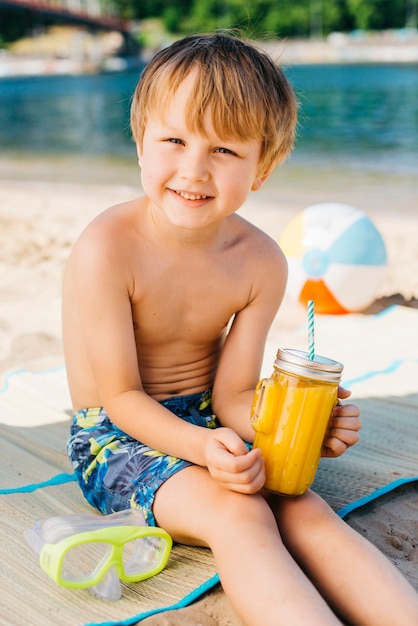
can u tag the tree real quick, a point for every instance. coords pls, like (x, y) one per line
(377, 14)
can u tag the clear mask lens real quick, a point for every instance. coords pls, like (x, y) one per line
(80, 562)
(142, 555)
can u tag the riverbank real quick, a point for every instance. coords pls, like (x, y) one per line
(381, 47)
(64, 50)
(69, 51)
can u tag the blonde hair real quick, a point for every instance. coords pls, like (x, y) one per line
(247, 94)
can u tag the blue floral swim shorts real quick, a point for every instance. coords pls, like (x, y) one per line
(115, 471)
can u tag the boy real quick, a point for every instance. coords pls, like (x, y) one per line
(167, 301)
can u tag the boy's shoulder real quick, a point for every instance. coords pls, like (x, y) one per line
(258, 240)
(118, 214)
(107, 233)
(113, 220)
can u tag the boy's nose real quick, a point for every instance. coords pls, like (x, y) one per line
(194, 166)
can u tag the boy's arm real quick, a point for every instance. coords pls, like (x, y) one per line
(102, 284)
(241, 361)
(240, 364)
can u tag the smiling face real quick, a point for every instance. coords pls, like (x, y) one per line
(247, 94)
(193, 177)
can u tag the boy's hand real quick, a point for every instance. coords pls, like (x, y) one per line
(343, 429)
(231, 464)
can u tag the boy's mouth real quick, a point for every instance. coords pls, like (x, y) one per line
(191, 196)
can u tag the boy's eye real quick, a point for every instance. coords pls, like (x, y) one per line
(224, 151)
(175, 140)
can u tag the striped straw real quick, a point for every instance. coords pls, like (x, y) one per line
(311, 330)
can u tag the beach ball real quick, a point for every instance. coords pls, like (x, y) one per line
(336, 257)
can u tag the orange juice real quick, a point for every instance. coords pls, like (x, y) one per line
(290, 416)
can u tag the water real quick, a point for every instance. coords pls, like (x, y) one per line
(364, 115)
(351, 116)
(67, 114)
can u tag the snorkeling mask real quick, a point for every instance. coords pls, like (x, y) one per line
(88, 551)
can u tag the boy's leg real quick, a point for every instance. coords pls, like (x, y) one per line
(354, 577)
(262, 581)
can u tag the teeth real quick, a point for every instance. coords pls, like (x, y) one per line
(190, 196)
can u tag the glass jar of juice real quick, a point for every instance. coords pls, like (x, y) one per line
(290, 415)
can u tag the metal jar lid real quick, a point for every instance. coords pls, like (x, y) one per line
(298, 362)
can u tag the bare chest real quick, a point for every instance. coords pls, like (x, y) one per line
(192, 302)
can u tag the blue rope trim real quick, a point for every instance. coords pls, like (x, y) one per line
(392, 367)
(188, 599)
(10, 375)
(348, 508)
(59, 479)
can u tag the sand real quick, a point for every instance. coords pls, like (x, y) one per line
(42, 214)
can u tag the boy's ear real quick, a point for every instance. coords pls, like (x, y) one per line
(260, 180)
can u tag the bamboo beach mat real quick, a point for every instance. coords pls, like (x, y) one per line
(32, 454)
(380, 354)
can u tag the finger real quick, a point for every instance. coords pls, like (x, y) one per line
(229, 440)
(343, 392)
(350, 422)
(246, 486)
(334, 447)
(226, 460)
(236, 473)
(239, 469)
(346, 437)
(346, 410)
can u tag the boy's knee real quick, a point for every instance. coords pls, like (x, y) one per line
(307, 509)
(237, 507)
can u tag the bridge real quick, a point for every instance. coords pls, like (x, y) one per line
(91, 13)
(20, 17)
